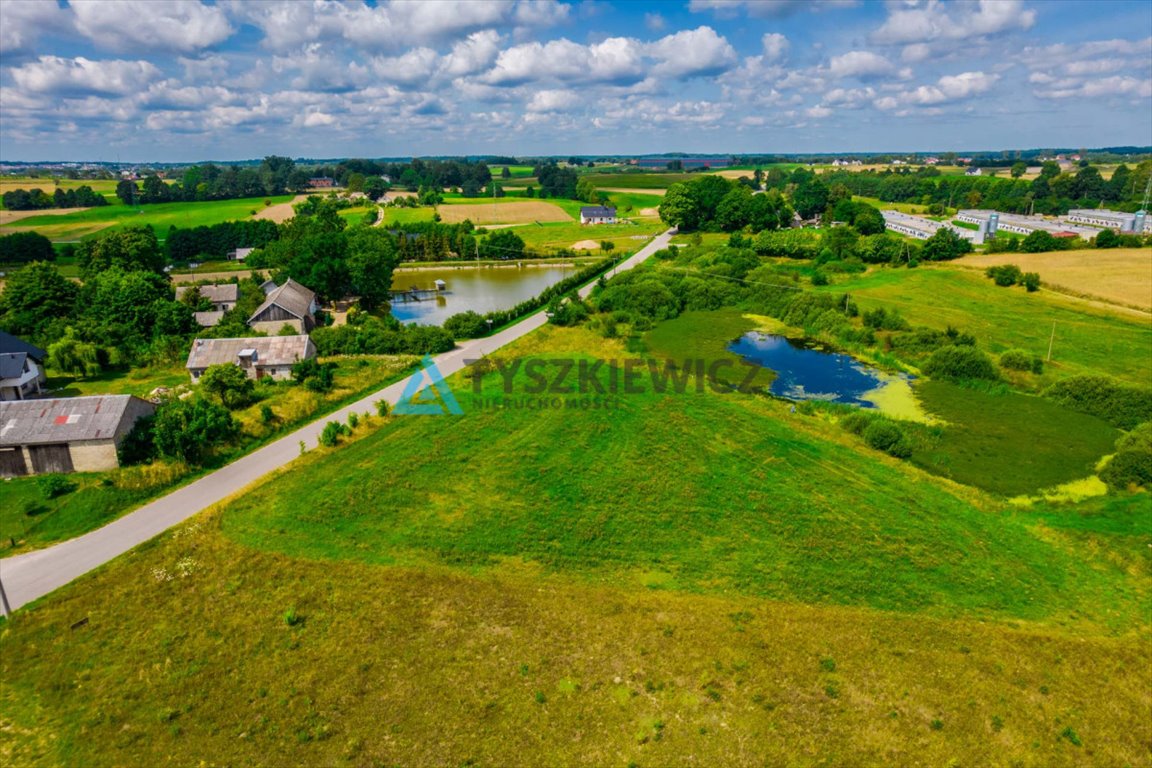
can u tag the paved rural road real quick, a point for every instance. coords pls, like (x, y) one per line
(32, 575)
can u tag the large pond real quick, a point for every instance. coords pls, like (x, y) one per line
(480, 289)
(806, 371)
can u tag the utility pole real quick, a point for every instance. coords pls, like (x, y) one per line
(1051, 339)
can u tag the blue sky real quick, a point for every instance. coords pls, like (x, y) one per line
(185, 80)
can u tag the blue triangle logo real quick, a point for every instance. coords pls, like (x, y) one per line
(415, 400)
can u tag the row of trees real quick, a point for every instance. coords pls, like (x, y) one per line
(1052, 192)
(215, 241)
(715, 203)
(274, 176)
(439, 174)
(37, 199)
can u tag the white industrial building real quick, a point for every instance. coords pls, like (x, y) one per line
(1024, 225)
(923, 228)
(1124, 223)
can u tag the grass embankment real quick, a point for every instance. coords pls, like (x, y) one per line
(30, 520)
(599, 598)
(1088, 339)
(161, 216)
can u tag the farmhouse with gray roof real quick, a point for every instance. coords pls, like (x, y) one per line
(258, 356)
(74, 434)
(290, 304)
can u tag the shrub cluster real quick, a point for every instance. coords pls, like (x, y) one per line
(1019, 360)
(878, 432)
(961, 363)
(1121, 405)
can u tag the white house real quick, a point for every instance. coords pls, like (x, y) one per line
(597, 214)
(21, 368)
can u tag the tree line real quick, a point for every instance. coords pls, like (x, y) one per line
(38, 199)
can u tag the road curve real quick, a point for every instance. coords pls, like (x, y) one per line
(32, 575)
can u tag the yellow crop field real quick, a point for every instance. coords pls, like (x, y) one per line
(503, 213)
(1121, 275)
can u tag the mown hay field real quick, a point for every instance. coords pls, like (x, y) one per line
(503, 213)
(1119, 275)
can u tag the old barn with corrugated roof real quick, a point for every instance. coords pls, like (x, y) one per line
(74, 434)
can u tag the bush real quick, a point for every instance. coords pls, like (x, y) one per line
(886, 436)
(383, 408)
(1139, 439)
(819, 278)
(856, 422)
(1121, 405)
(1031, 281)
(54, 486)
(1019, 360)
(187, 429)
(318, 377)
(1005, 274)
(466, 325)
(266, 414)
(881, 319)
(960, 363)
(332, 433)
(1128, 468)
(229, 383)
(353, 420)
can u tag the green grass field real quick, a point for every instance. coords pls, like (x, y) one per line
(1008, 443)
(564, 235)
(162, 216)
(407, 215)
(639, 180)
(1087, 339)
(882, 205)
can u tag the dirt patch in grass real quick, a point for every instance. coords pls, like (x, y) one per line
(585, 245)
(1120, 275)
(281, 212)
(503, 213)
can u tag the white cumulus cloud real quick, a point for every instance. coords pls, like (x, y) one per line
(81, 76)
(161, 25)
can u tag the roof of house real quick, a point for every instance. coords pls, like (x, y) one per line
(9, 343)
(597, 211)
(208, 319)
(270, 350)
(65, 420)
(292, 297)
(217, 293)
(12, 364)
